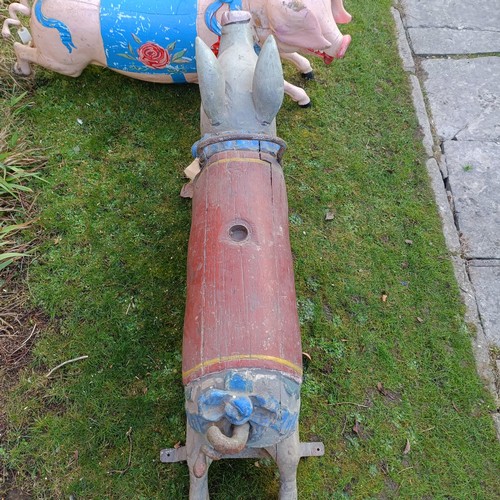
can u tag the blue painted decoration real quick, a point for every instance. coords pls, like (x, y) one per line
(211, 11)
(270, 147)
(150, 36)
(147, 36)
(48, 22)
(237, 382)
(238, 404)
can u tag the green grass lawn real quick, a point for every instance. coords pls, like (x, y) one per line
(390, 386)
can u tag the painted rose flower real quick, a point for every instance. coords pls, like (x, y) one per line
(153, 55)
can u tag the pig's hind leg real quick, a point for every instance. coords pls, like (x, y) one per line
(27, 55)
(287, 458)
(198, 464)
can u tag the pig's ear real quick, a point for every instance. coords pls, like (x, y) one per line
(294, 24)
(268, 85)
(212, 83)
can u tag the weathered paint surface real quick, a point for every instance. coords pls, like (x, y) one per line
(267, 399)
(48, 22)
(241, 303)
(242, 353)
(146, 35)
(153, 40)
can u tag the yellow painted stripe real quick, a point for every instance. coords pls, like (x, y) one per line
(239, 160)
(240, 357)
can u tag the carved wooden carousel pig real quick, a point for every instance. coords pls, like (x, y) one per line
(242, 357)
(153, 40)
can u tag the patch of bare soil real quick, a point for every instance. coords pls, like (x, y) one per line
(20, 324)
(19, 327)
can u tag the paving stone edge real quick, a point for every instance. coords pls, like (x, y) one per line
(436, 168)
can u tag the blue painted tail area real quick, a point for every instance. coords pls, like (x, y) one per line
(210, 13)
(48, 22)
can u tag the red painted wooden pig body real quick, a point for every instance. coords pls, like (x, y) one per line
(241, 307)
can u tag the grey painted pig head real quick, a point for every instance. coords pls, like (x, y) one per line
(240, 92)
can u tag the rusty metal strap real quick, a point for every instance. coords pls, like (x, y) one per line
(205, 148)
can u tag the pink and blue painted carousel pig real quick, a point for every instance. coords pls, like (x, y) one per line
(153, 40)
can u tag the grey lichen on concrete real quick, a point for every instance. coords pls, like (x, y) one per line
(445, 41)
(480, 15)
(486, 282)
(470, 107)
(474, 176)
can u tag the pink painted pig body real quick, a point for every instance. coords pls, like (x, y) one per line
(153, 40)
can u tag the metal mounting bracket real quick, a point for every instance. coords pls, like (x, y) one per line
(171, 455)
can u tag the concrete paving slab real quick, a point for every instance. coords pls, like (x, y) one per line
(480, 15)
(486, 281)
(474, 177)
(445, 41)
(464, 96)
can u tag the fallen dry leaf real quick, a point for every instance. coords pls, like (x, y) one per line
(177, 445)
(73, 460)
(407, 447)
(308, 356)
(357, 427)
(359, 430)
(384, 297)
(409, 242)
(329, 216)
(384, 467)
(388, 393)
(420, 320)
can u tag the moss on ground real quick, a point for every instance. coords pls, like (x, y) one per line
(390, 386)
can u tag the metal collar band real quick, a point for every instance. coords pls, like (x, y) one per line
(205, 148)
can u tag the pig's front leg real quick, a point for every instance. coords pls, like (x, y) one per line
(340, 15)
(298, 95)
(300, 62)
